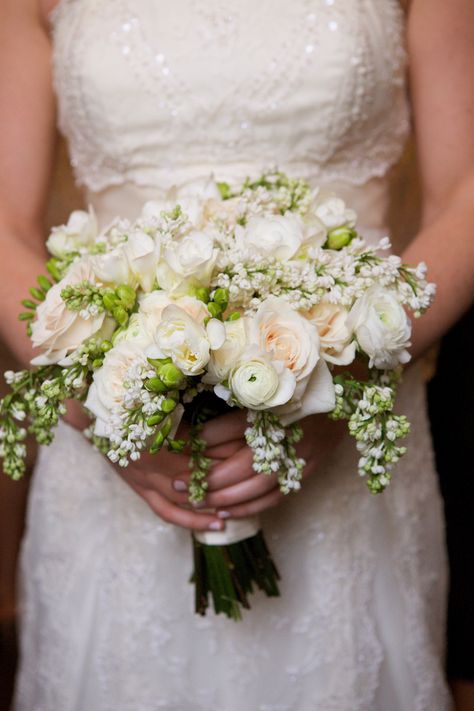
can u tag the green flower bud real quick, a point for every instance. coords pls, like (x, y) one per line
(168, 405)
(26, 316)
(166, 429)
(176, 445)
(120, 315)
(233, 316)
(202, 294)
(155, 385)
(340, 237)
(157, 443)
(127, 296)
(109, 300)
(97, 363)
(44, 283)
(29, 304)
(158, 362)
(105, 346)
(225, 190)
(36, 293)
(53, 270)
(214, 309)
(155, 419)
(221, 296)
(170, 375)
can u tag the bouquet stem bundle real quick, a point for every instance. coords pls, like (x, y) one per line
(228, 573)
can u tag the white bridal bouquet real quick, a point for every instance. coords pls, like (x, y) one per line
(250, 297)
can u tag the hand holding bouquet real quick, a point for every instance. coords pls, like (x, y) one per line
(228, 298)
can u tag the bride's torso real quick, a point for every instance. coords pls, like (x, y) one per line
(154, 94)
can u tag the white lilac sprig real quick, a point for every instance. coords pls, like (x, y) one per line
(368, 407)
(144, 419)
(273, 449)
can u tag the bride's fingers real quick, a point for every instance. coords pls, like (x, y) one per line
(254, 507)
(225, 450)
(185, 518)
(231, 471)
(252, 488)
(225, 428)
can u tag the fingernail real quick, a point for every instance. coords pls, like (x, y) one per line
(215, 526)
(179, 485)
(199, 504)
(223, 514)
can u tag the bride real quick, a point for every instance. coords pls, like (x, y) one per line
(153, 94)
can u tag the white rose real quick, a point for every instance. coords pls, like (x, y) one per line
(57, 330)
(131, 262)
(285, 335)
(187, 262)
(289, 338)
(336, 340)
(381, 327)
(108, 388)
(187, 341)
(228, 211)
(224, 358)
(333, 213)
(278, 236)
(136, 332)
(192, 197)
(258, 383)
(80, 231)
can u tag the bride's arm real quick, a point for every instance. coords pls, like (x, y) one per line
(26, 158)
(27, 140)
(441, 52)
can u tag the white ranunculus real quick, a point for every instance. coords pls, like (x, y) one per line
(224, 358)
(278, 236)
(132, 262)
(57, 330)
(80, 231)
(258, 383)
(187, 262)
(186, 341)
(333, 213)
(382, 327)
(108, 388)
(336, 340)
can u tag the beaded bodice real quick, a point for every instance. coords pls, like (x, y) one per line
(155, 93)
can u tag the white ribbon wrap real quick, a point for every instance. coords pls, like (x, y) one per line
(235, 531)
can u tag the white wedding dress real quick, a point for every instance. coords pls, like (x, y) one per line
(153, 94)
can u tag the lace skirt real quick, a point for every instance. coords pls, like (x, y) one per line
(108, 618)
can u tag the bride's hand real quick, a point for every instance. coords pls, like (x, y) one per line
(234, 488)
(152, 479)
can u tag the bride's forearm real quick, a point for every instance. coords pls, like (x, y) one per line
(20, 265)
(446, 244)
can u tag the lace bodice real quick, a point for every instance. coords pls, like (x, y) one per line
(155, 93)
